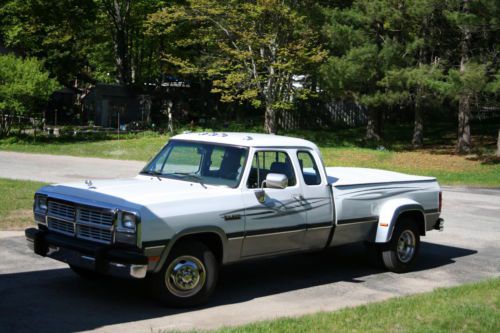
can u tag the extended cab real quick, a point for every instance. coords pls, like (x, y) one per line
(210, 199)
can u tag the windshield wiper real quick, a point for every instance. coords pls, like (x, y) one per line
(189, 175)
(153, 173)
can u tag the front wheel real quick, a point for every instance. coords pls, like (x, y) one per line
(188, 276)
(400, 253)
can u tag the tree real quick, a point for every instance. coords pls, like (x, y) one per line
(493, 87)
(422, 77)
(84, 41)
(59, 32)
(24, 86)
(477, 24)
(122, 26)
(363, 47)
(252, 50)
(421, 87)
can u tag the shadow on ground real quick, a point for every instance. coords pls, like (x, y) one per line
(59, 301)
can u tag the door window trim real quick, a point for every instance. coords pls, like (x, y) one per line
(315, 164)
(270, 149)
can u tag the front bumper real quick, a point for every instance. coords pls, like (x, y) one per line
(105, 259)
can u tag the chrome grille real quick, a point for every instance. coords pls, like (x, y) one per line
(67, 228)
(91, 223)
(94, 234)
(61, 210)
(95, 217)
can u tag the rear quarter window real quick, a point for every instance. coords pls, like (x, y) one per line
(308, 168)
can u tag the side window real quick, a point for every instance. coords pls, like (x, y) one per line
(265, 162)
(309, 168)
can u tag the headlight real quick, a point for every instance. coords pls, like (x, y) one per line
(41, 203)
(126, 230)
(128, 222)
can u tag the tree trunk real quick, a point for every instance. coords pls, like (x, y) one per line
(464, 137)
(271, 120)
(372, 127)
(418, 128)
(498, 144)
(464, 103)
(121, 57)
(118, 12)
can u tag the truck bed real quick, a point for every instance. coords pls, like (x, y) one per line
(342, 176)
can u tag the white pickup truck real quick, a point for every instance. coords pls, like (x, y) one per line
(210, 199)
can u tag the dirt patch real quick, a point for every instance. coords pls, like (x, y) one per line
(18, 219)
(427, 161)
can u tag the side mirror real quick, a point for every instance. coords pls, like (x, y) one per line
(276, 180)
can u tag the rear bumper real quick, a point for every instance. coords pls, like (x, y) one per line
(439, 224)
(106, 259)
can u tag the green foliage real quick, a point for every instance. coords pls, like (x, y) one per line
(269, 54)
(60, 32)
(470, 80)
(23, 85)
(424, 82)
(78, 39)
(252, 51)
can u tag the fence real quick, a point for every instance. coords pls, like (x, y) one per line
(324, 115)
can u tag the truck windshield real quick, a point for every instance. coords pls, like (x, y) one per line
(205, 163)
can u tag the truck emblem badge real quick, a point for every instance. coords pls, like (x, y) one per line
(89, 183)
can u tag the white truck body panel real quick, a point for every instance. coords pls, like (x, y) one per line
(347, 205)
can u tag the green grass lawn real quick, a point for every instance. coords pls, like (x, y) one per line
(131, 147)
(341, 147)
(468, 308)
(16, 206)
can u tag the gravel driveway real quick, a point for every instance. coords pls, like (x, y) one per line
(42, 295)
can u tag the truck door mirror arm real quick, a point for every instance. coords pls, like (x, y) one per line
(273, 180)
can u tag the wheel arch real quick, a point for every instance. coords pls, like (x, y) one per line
(392, 212)
(214, 238)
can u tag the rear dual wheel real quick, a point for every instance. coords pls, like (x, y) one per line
(400, 254)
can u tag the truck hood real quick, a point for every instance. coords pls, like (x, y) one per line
(140, 191)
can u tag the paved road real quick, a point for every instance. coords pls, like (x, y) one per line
(42, 295)
(60, 169)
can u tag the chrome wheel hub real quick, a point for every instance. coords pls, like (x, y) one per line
(406, 246)
(185, 276)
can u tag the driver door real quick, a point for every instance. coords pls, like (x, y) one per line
(278, 223)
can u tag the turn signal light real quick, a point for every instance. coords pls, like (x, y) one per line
(154, 258)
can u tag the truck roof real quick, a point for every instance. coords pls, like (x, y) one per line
(247, 139)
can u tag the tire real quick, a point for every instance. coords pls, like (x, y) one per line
(86, 274)
(400, 254)
(198, 264)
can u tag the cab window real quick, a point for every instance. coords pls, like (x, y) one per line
(309, 169)
(265, 162)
